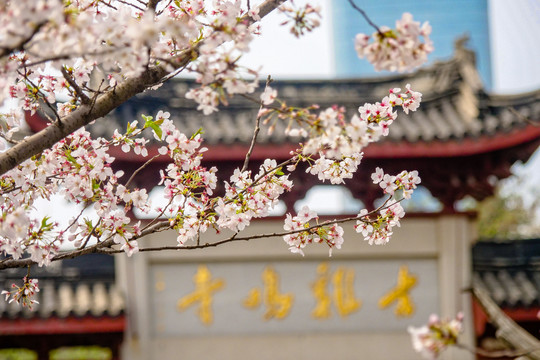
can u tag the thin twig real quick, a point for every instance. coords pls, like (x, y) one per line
(79, 92)
(164, 7)
(256, 130)
(43, 97)
(158, 215)
(92, 232)
(77, 217)
(139, 170)
(130, 4)
(10, 141)
(365, 17)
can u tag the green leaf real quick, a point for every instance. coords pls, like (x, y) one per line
(154, 125)
(156, 129)
(199, 131)
(44, 222)
(71, 158)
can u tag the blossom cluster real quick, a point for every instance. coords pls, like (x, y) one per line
(336, 143)
(400, 49)
(23, 295)
(334, 170)
(303, 233)
(79, 168)
(431, 339)
(379, 230)
(333, 137)
(406, 181)
(246, 198)
(303, 18)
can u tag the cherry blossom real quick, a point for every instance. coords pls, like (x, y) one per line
(331, 234)
(400, 49)
(431, 339)
(268, 96)
(65, 59)
(303, 19)
(24, 294)
(378, 229)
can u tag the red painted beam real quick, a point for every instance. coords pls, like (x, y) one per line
(69, 325)
(517, 314)
(530, 314)
(453, 148)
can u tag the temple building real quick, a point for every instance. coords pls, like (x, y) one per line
(255, 299)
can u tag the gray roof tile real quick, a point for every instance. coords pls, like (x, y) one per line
(76, 287)
(454, 106)
(508, 272)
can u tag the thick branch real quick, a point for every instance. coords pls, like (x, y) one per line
(107, 102)
(85, 114)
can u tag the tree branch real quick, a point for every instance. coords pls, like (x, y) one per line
(255, 131)
(104, 104)
(78, 91)
(365, 17)
(494, 354)
(139, 170)
(106, 245)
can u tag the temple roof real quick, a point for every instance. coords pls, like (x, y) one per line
(462, 136)
(80, 287)
(454, 107)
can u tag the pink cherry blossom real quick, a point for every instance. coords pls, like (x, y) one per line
(400, 49)
(431, 339)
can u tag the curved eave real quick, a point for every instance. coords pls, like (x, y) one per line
(455, 148)
(468, 146)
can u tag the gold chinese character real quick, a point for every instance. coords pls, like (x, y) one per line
(277, 305)
(204, 287)
(322, 308)
(344, 299)
(400, 294)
